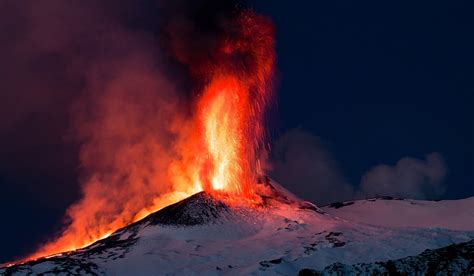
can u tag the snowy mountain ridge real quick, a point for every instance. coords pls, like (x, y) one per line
(447, 214)
(204, 235)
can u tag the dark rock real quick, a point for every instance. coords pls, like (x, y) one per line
(456, 259)
(338, 205)
(276, 261)
(308, 272)
(198, 209)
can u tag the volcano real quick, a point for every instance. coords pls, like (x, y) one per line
(204, 234)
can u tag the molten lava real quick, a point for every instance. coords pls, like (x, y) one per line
(217, 150)
(228, 135)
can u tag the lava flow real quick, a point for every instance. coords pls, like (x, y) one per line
(217, 149)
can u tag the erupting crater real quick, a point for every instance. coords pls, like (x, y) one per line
(217, 150)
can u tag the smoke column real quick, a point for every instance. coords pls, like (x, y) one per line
(165, 107)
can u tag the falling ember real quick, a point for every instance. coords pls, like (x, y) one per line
(230, 111)
(217, 149)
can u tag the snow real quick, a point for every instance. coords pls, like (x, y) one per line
(447, 214)
(281, 238)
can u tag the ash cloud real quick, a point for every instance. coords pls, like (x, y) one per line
(302, 161)
(84, 81)
(79, 72)
(409, 178)
(44, 61)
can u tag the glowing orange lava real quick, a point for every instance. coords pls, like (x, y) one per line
(222, 154)
(224, 114)
(217, 149)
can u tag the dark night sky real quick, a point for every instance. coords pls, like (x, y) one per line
(365, 83)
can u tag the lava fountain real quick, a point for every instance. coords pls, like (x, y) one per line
(229, 124)
(217, 148)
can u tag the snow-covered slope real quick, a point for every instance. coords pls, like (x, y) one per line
(392, 212)
(203, 235)
(455, 259)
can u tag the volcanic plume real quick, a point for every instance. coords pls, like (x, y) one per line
(146, 146)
